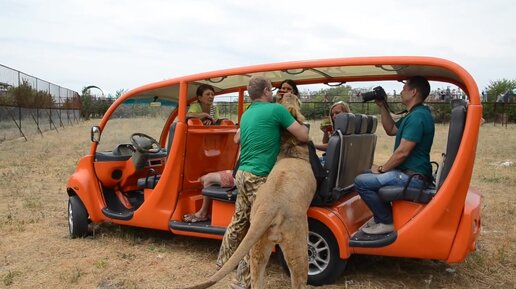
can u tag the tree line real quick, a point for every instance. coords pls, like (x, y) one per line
(25, 96)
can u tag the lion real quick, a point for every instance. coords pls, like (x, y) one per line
(279, 213)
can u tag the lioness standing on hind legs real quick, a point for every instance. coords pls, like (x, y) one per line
(278, 214)
(259, 137)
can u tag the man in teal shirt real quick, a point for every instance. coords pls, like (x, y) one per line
(414, 137)
(259, 137)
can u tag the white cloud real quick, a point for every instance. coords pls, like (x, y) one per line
(123, 44)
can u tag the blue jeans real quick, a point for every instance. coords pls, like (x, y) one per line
(368, 184)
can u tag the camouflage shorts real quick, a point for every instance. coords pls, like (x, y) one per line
(247, 185)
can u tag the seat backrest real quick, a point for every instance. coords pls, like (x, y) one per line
(372, 123)
(208, 149)
(361, 123)
(348, 154)
(359, 155)
(343, 128)
(455, 132)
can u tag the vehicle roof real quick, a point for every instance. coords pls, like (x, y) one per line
(336, 70)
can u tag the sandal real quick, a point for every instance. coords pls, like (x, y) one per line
(192, 218)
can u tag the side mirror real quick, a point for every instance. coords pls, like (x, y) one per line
(95, 134)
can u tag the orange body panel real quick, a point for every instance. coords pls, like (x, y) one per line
(343, 219)
(210, 149)
(469, 229)
(224, 214)
(88, 191)
(403, 211)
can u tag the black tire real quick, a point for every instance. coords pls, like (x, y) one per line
(324, 263)
(77, 218)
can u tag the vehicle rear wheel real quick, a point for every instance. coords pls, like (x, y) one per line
(324, 263)
(77, 218)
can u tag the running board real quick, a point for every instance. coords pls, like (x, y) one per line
(361, 239)
(125, 215)
(199, 227)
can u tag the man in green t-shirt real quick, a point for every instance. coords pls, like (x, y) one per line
(259, 137)
(414, 137)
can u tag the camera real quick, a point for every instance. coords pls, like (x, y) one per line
(376, 93)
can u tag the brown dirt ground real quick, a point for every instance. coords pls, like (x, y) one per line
(36, 252)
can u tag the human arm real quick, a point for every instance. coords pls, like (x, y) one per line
(200, 115)
(326, 135)
(299, 131)
(195, 111)
(236, 138)
(321, 147)
(397, 158)
(387, 121)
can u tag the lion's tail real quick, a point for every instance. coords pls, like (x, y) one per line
(256, 230)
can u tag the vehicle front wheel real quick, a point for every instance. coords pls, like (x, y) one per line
(324, 263)
(77, 218)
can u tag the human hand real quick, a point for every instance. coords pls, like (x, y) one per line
(380, 102)
(279, 95)
(326, 126)
(207, 119)
(374, 169)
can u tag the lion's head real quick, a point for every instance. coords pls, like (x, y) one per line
(290, 146)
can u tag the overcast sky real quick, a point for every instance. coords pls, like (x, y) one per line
(127, 43)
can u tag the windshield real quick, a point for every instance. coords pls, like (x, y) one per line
(143, 114)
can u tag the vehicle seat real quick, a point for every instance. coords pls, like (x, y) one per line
(219, 193)
(423, 196)
(350, 151)
(150, 181)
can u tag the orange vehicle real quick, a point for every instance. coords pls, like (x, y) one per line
(153, 182)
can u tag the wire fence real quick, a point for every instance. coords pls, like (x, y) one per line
(492, 111)
(29, 105)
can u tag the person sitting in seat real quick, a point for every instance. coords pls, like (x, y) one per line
(203, 108)
(224, 179)
(414, 137)
(327, 125)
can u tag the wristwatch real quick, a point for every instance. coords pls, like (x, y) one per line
(380, 169)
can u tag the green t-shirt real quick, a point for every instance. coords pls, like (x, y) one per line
(417, 126)
(195, 107)
(260, 140)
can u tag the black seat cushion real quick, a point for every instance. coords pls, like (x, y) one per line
(393, 193)
(219, 193)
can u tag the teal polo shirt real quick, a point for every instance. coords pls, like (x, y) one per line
(417, 126)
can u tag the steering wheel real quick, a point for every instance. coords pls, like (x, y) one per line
(144, 143)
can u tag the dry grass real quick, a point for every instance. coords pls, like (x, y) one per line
(35, 251)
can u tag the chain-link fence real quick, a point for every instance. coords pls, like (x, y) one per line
(29, 105)
(492, 111)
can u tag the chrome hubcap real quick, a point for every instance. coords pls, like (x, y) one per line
(318, 254)
(70, 217)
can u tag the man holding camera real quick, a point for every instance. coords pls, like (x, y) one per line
(411, 157)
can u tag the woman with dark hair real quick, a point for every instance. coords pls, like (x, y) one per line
(287, 86)
(203, 108)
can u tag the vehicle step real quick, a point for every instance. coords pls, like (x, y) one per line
(199, 227)
(361, 239)
(125, 215)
